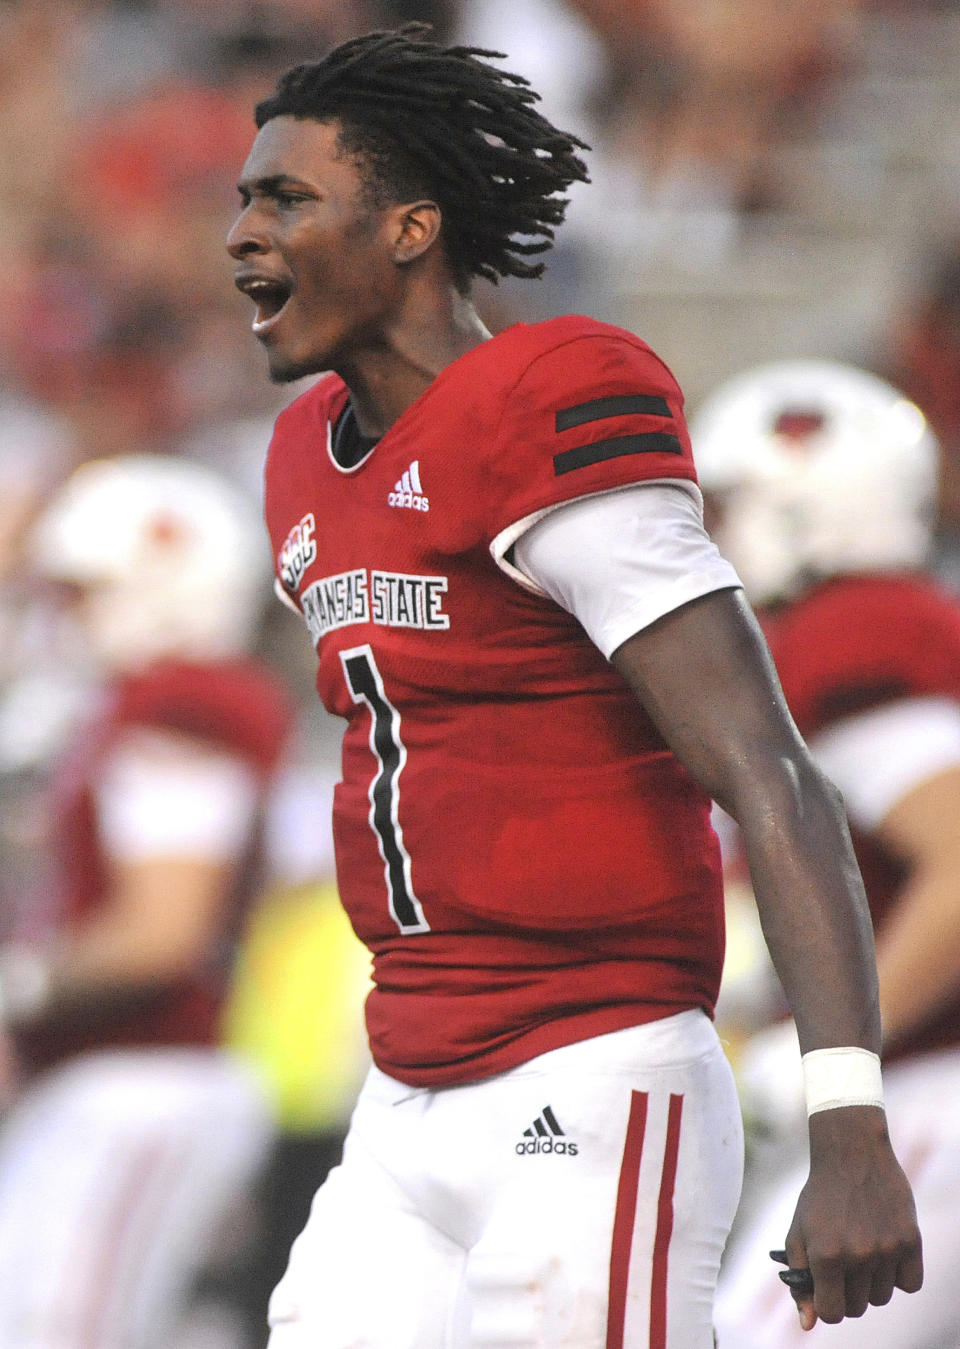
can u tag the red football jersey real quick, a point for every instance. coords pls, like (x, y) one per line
(853, 644)
(236, 706)
(526, 860)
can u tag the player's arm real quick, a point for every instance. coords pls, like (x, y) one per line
(173, 818)
(156, 924)
(898, 766)
(704, 674)
(918, 950)
(153, 932)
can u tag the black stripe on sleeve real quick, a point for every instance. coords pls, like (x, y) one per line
(649, 442)
(618, 405)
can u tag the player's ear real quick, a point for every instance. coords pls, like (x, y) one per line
(418, 227)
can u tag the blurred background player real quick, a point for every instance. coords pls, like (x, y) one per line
(130, 1132)
(295, 1011)
(821, 479)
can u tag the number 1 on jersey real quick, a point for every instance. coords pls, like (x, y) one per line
(366, 686)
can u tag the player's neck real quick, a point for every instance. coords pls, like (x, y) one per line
(385, 378)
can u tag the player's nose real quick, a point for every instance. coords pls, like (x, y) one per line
(245, 238)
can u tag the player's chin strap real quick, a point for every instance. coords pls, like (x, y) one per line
(24, 983)
(844, 1076)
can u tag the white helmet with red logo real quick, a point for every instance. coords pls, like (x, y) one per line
(171, 559)
(818, 469)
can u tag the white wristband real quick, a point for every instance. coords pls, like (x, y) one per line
(837, 1077)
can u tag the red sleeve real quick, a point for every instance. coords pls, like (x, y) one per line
(593, 413)
(859, 642)
(238, 706)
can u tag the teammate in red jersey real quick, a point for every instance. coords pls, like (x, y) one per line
(132, 1132)
(824, 481)
(547, 671)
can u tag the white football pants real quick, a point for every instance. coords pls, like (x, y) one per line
(580, 1201)
(115, 1171)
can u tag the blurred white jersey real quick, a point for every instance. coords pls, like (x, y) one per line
(115, 1171)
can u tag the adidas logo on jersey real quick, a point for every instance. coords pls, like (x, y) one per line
(545, 1135)
(408, 490)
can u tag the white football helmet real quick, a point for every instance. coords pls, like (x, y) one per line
(171, 559)
(818, 469)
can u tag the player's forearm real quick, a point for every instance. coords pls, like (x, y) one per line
(42, 989)
(154, 927)
(150, 934)
(918, 949)
(121, 957)
(78, 978)
(812, 907)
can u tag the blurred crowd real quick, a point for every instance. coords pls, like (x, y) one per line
(126, 121)
(125, 126)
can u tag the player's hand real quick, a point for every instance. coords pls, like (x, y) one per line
(855, 1226)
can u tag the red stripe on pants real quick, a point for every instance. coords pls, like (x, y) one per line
(625, 1220)
(661, 1245)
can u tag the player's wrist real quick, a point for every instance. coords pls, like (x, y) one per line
(846, 1144)
(844, 1076)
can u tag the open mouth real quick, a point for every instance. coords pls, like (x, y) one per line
(270, 298)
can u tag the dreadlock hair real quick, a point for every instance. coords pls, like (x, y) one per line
(440, 122)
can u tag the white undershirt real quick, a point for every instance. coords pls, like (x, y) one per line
(164, 795)
(877, 758)
(620, 560)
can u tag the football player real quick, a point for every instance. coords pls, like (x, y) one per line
(823, 482)
(546, 670)
(131, 1132)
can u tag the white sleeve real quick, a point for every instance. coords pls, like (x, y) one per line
(876, 758)
(623, 559)
(162, 795)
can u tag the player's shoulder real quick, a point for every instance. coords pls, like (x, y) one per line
(569, 408)
(856, 641)
(575, 369)
(237, 704)
(881, 608)
(577, 348)
(547, 334)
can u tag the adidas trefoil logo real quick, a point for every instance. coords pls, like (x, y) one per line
(545, 1135)
(408, 490)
